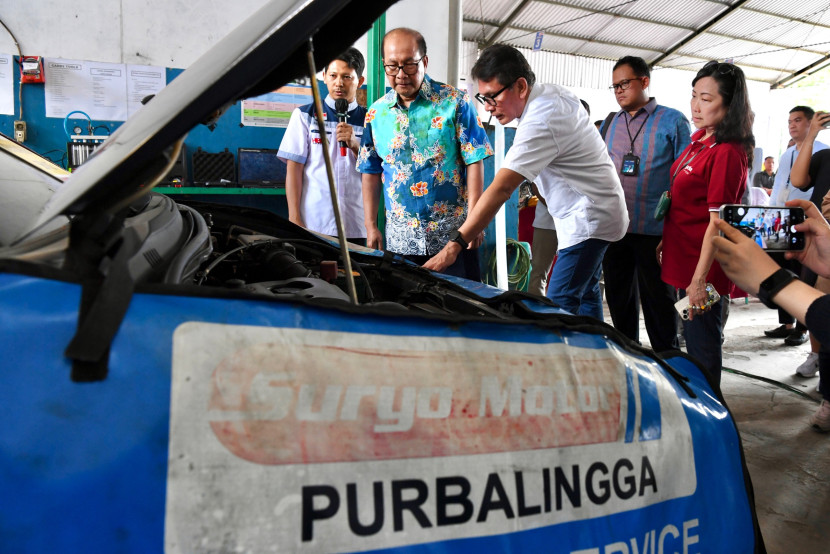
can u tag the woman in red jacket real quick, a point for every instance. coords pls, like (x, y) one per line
(712, 171)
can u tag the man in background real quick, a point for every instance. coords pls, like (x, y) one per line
(306, 181)
(643, 138)
(765, 179)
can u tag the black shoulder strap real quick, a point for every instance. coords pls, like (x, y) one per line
(105, 295)
(606, 124)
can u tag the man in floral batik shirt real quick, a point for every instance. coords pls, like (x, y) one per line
(423, 144)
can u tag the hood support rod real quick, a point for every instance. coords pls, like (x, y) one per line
(335, 205)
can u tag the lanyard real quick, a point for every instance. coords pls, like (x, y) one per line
(631, 150)
(792, 160)
(683, 163)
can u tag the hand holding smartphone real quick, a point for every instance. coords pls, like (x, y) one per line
(771, 227)
(684, 308)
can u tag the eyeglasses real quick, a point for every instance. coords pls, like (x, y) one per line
(490, 99)
(625, 84)
(723, 68)
(410, 68)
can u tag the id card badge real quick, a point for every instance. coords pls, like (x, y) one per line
(630, 165)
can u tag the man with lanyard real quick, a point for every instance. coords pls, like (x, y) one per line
(798, 124)
(427, 142)
(643, 141)
(557, 148)
(306, 181)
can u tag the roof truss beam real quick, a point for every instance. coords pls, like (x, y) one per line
(502, 27)
(690, 29)
(507, 22)
(778, 15)
(615, 44)
(806, 69)
(699, 32)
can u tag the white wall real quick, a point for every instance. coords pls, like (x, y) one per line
(174, 33)
(432, 18)
(171, 33)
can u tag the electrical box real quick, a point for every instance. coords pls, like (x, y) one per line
(20, 131)
(31, 69)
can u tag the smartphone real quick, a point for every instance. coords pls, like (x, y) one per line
(772, 227)
(682, 305)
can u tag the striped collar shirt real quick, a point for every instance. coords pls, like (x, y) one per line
(665, 134)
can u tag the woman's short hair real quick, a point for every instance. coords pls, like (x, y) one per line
(736, 126)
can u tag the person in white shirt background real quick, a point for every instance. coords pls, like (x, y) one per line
(798, 124)
(306, 182)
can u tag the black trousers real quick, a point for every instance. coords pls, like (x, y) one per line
(632, 279)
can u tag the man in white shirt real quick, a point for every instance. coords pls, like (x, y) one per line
(306, 181)
(798, 125)
(783, 190)
(557, 148)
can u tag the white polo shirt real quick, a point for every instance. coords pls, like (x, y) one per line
(783, 190)
(558, 148)
(302, 144)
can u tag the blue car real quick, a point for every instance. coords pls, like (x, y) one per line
(194, 377)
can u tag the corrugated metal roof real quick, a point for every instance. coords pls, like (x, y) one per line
(559, 19)
(770, 39)
(811, 10)
(552, 67)
(678, 14)
(489, 10)
(651, 35)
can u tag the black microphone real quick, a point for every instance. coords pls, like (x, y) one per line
(341, 106)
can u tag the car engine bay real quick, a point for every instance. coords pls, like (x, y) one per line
(255, 252)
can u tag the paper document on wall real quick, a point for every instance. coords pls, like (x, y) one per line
(95, 88)
(142, 81)
(6, 85)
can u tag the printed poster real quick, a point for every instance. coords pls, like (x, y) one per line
(273, 109)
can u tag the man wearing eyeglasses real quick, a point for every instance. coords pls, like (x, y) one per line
(558, 149)
(643, 141)
(425, 143)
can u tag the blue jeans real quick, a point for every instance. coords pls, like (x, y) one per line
(574, 283)
(704, 336)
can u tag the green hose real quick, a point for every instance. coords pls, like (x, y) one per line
(518, 266)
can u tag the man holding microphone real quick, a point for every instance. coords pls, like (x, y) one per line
(306, 183)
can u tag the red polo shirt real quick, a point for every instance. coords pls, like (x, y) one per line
(715, 176)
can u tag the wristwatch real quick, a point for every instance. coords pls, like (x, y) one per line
(455, 236)
(773, 284)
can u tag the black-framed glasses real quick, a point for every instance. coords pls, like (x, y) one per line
(625, 84)
(722, 68)
(490, 99)
(410, 68)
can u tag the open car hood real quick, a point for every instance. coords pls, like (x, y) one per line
(266, 51)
